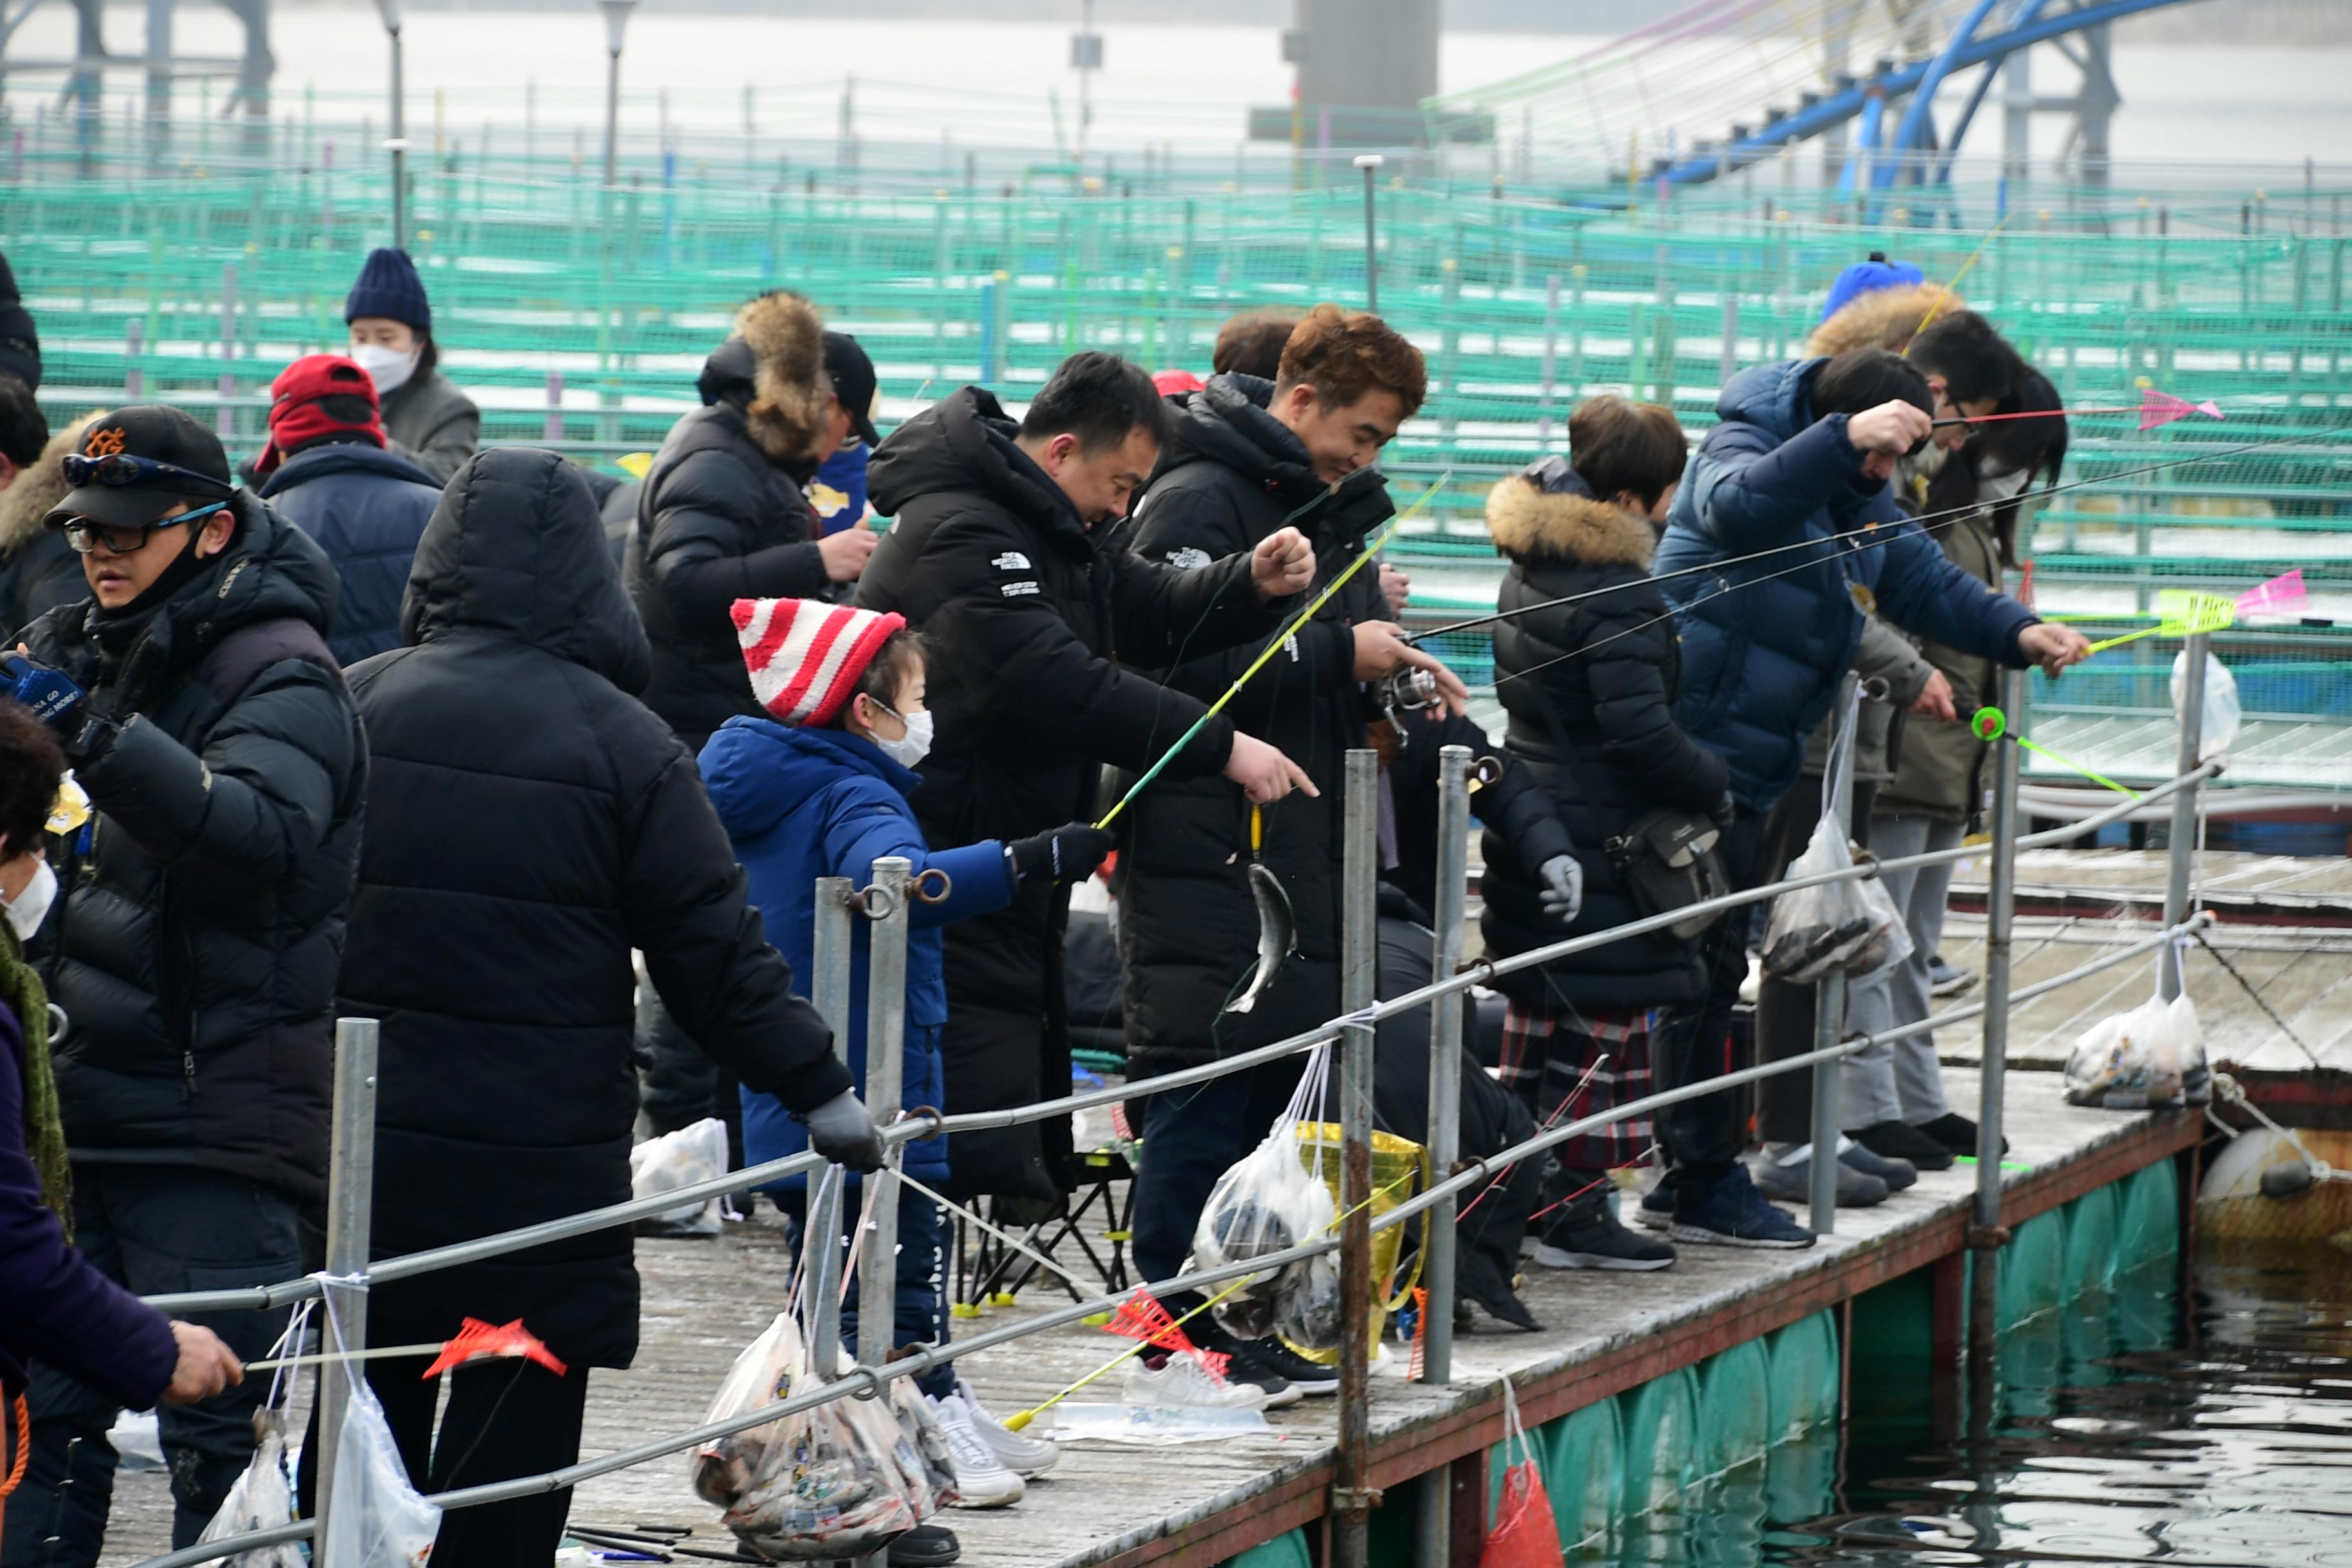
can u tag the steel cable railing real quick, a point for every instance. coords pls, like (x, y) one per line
(1354, 1028)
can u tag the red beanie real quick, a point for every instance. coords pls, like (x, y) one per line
(805, 656)
(297, 417)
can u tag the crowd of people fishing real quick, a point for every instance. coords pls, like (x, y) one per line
(538, 767)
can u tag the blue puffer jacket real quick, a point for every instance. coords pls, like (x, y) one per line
(1764, 642)
(366, 508)
(803, 804)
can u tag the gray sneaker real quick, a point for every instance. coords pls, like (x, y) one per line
(1793, 1183)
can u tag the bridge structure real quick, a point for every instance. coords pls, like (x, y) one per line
(163, 64)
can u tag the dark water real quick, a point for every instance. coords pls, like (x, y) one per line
(2135, 1428)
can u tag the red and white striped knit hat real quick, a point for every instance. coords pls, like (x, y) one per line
(805, 656)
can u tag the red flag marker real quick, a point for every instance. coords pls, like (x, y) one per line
(476, 1339)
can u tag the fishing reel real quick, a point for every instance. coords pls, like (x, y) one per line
(1407, 690)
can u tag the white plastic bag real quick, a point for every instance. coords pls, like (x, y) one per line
(1889, 942)
(1816, 929)
(767, 1371)
(2128, 1061)
(1269, 1201)
(2221, 715)
(376, 1519)
(260, 1499)
(690, 1154)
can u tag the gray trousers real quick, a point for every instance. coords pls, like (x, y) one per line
(1900, 1081)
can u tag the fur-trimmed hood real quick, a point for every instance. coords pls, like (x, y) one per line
(1883, 319)
(772, 368)
(1531, 523)
(26, 505)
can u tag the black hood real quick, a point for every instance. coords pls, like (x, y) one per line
(517, 549)
(728, 373)
(963, 445)
(316, 462)
(1227, 423)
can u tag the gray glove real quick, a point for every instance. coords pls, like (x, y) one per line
(1563, 888)
(842, 1132)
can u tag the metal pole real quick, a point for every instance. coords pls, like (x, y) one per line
(611, 116)
(821, 1232)
(1353, 1496)
(1434, 1520)
(351, 1193)
(397, 142)
(2000, 909)
(2182, 851)
(886, 1039)
(1829, 992)
(1370, 163)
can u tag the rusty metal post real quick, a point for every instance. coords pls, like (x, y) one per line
(2182, 852)
(1829, 992)
(1353, 1497)
(1437, 1327)
(2000, 909)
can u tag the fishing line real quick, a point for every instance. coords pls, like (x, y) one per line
(1925, 521)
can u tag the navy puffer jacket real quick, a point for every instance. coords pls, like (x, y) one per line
(1764, 641)
(366, 508)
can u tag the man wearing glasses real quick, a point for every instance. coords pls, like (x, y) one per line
(194, 940)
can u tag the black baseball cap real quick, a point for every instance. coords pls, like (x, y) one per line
(160, 434)
(852, 374)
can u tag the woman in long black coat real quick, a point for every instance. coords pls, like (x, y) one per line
(1589, 688)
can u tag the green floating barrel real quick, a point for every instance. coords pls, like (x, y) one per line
(2093, 1221)
(1583, 1471)
(1283, 1552)
(2148, 1229)
(1734, 1408)
(2032, 1270)
(1804, 1376)
(1658, 1424)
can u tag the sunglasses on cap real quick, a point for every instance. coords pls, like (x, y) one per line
(84, 534)
(125, 469)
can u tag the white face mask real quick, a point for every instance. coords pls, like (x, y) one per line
(388, 367)
(915, 746)
(29, 908)
(1992, 487)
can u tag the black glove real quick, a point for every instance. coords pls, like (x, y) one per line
(842, 1132)
(50, 694)
(1065, 855)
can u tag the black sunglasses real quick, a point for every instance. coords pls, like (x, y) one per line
(84, 534)
(125, 468)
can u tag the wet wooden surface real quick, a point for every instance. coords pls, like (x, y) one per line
(705, 1298)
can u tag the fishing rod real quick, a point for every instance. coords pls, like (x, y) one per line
(1925, 521)
(1279, 640)
(1944, 296)
(2154, 409)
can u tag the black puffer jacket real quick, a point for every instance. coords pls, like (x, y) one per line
(721, 516)
(1027, 621)
(533, 822)
(1515, 806)
(1592, 681)
(367, 508)
(202, 923)
(1188, 925)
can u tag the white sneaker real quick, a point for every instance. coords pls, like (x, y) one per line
(982, 1479)
(1024, 1456)
(1182, 1381)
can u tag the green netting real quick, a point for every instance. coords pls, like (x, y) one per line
(578, 317)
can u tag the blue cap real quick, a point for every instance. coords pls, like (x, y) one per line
(389, 287)
(1868, 277)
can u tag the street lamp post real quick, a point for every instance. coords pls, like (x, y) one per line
(616, 22)
(396, 143)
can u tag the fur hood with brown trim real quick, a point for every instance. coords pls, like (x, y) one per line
(772, 368)
(26, 505)
(1882, 318)
(1529, 523)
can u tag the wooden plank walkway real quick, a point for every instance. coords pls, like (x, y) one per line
(1197, 1504)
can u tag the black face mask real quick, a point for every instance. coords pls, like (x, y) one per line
(184, 566)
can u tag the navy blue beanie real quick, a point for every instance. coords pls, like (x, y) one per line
(389, 287)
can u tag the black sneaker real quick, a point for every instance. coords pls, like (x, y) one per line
(1901, 1141)
(1656, 1210)
(1585, 1235)
(1734, 1214)
(1305, 1376)
(1243, 1362)
(925, 1546)
(1955, 1133)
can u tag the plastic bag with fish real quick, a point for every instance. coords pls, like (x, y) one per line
(1831, 926)
(834, 1489)
(769, 1369)
(2146, 1056)
(1270, 1200)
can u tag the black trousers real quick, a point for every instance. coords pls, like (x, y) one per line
(505, 1418)
(1784, 1012)
(677, 1085)
(1704, 1136)
(153, 1228)
(1191, 1137)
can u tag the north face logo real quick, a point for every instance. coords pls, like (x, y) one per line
(104, 443)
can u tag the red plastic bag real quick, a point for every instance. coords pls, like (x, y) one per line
(1524, 1535)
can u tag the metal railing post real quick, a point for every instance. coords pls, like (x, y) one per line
(2182, 850)
(1434, 1523)
(2000, 909)
(886, 1041)
(1829, 992)
(1353, 1497)
(350, 1195)
(821, 1232)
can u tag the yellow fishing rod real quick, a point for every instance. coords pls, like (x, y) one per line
(1280, 637)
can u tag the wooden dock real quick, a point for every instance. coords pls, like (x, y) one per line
(1199, 1504)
